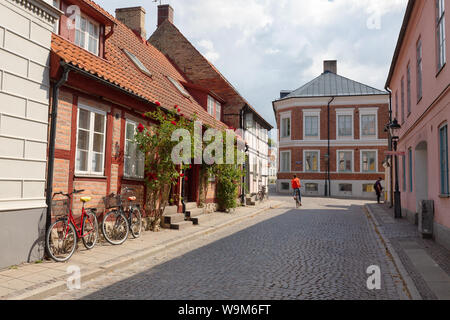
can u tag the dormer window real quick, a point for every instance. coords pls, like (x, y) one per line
(87, 33)
(179, 87)
(137, 62)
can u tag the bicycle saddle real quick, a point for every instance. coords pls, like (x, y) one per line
(85, 199)
(131, 198)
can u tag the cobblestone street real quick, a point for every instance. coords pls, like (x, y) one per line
(319, 252)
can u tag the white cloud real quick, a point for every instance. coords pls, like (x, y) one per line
(208, 50)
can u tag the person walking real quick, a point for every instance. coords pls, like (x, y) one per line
(378, 189)
(296, 185)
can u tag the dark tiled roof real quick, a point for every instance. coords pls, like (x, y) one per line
(330, 84)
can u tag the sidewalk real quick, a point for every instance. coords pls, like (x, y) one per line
(40, 280)
(425, 263)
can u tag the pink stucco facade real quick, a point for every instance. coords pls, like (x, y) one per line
(427, 114)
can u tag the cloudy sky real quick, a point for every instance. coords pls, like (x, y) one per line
(264, 46)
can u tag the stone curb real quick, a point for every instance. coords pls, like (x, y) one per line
(54, 288)
(410, 286)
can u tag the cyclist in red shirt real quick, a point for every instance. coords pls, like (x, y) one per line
(296, 185)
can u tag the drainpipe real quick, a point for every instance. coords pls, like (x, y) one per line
(328, 182)
(242, 121)
(52, 143)
(391, 167)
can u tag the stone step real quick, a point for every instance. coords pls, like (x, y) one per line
(170, 210)
(173, 218)
(194, 212)
(191, 205)
(250, 202)
(201, 219)
(181, 225)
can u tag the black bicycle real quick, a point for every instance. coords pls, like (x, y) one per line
(262, 194)
(124, 217)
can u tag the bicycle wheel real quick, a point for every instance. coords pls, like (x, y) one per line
(90, 230)
(61, 240)
(135, 222)
(115, 227)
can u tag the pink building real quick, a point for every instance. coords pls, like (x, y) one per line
(419, 79)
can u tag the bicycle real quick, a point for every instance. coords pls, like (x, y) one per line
(262, 194)
(123, 219)
(63, 234)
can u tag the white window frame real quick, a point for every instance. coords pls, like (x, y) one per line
(368, 112)
(345, 112)
(361, 160)
(311, 113)
(126, 175)
(440, 34)
(337, 161)
(212, 107)
(57, 5)
(90, 151)
(284, 116)
(87, 35)
(318, 161)
(281, 161)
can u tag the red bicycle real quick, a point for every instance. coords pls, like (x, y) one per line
(63, 234)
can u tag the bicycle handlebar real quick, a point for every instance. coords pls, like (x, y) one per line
(68, 194)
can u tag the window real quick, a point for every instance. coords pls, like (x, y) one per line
(396, 105)
(134, 160)
(410, 170)
(403, 99)
(137, 62)
(56, 4)
(179, 87)
(255, 169)
(248, 121)
(368, 161)
(285, 165)
(443, 151)
(408, 88)
(345, 127)
(312, 187)
(440, 33)
(368, 188)
(345, 161)
(285, 127)
(86, 34)
(404, 174)
(285, 186)
(91, 141)
(346, 187)
(311, 126)
(312, 161)
(419, 70)
(214, 108)
(368, 125)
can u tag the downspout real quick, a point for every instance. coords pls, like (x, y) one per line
(391, 167)
(328, 182)
(242, 121)
(52, 143)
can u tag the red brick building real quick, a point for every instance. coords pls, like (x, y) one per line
(105, 75)
(331, 134)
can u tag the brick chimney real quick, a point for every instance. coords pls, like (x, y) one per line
(330, 66)
(165, 12)
(133, 18)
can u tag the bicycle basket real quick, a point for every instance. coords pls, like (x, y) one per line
(112, 201)
(60, 207)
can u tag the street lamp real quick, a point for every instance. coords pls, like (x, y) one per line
(394, 127)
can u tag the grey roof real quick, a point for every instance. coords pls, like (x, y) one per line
(330, 84)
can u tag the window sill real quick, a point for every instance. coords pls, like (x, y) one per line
(133, 179)
(90, 176)
(444, 196)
